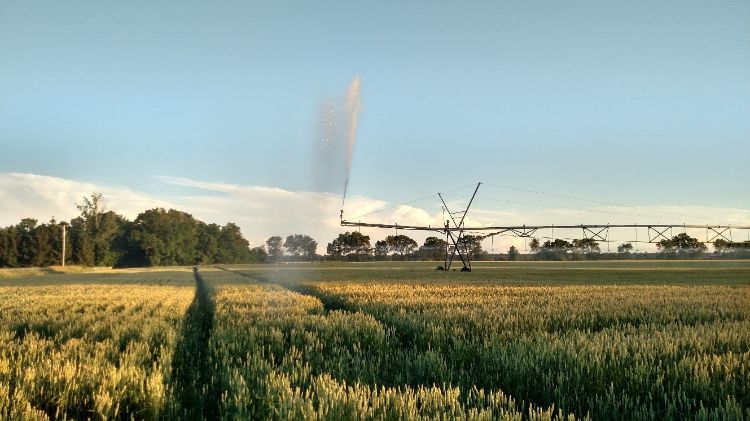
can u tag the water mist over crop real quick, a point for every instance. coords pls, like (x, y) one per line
(334, 146)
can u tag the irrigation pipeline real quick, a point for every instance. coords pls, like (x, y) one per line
(656, 232)
(538, 227)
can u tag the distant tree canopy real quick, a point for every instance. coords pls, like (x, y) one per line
(625, 248)
(513, 253)
(299, 245)
(471, 245)
(721, 245)
(681, 245)
(585, 245)
(557, 245)
(232, 246)
(348, 244)
(97, 227)
(30, 244)
(381, 249)
(275, 248)
(258, 254)
(432, 249)
(166, 237)
(559, 249)
(98, 237)
(400, 244)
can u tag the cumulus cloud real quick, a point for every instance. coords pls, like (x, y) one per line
(42, 197)
(262, 211)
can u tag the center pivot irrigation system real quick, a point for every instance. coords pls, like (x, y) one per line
(455, 231)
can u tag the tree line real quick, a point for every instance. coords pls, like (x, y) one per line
(101, 237)
(681, 246)
(357, 247)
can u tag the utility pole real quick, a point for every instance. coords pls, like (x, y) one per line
(62, 257)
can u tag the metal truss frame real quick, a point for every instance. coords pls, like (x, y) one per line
(458, 246)
(596, 233)
(455, 233)
(719, 233)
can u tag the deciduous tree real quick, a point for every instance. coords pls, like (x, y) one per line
(100, 227)
(299, 245)
(721, 245)
(166, 237)
(400, 244)
(681, 245)
(232, 247)
(513, 253)
(349, 243)
(471, 245)
(585, 245)
(8, 247)
(625, 248)
(381, 249)
(275, 248)
(433, 249)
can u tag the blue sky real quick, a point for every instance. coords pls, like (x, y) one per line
(640, 103)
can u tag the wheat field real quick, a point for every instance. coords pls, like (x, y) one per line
(628, 340)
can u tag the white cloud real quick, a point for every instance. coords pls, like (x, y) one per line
(43, 197)
(264, 211)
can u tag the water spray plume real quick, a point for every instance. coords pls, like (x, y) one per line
(353, 108)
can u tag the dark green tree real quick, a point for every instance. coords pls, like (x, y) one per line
(166, 237)
(513, 253)
(681, 245)
(585, 246)
(27, 245)
(534, 245)
(46, 255)
(381, 249)
(350, 244)
(300, 245)
(83, 249)
(721, 245)
(400, 244)
(258, 255)
(100, 228)
(8, 247)
(98, 237)
(208, 243)
(127, 248)
(557, 245)
(55, 232)
(232, 246)
(739, 245)
(471, 245)
(432, 249)
(554, 250)
(110, 226)
(275, 248)
(625, 248)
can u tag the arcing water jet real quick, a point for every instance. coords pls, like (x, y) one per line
(353, 108)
